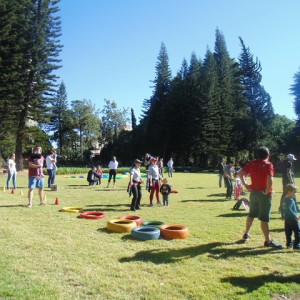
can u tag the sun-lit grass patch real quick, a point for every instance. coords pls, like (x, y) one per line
(47, 254)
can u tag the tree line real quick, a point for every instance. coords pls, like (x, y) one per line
(214, 106)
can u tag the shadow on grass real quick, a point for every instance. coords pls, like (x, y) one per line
(278, 229)
(217, 195)
(17, 205)
(234, 215)
(109, 207)
(214, 250)
(250, 284)
(205, 200)
(195, 188)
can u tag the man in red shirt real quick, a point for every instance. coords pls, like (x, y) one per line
(261, 172)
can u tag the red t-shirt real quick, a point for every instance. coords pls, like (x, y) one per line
(32, 172)
(259, 170)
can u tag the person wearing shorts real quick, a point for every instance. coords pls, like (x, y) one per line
(261, 172)
(35, 175)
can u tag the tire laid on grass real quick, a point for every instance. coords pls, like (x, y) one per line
(138, 220)
(174, 231)
(156, 224)
(120, 226)
(71, 209)
(145, 233)
(92, 215)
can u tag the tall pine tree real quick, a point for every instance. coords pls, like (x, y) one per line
(260, 109)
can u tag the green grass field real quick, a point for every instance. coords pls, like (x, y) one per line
(47, 254)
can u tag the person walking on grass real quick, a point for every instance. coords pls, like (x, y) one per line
(35, 175)
(12, 171)
(113, 166)
(135, 185)
(228, 178)
(261, 172)
(154, 180)
(289, 213)
(288, 176)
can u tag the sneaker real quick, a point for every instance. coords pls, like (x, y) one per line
(158, 203)
(132, 209)
(42, 203)
(246, 237)
(289, 246)
(150, 204)
(29, 206)
(272, 244)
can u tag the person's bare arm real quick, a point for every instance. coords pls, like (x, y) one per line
(241, 175)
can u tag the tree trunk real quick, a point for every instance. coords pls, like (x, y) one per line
(20, 140)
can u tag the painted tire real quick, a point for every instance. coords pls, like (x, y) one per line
(174, 231)
(145, 233)
(120, 226)
(104, 175)
(174, 191)
(138, 220)
(71, 209)
(92, 215)
(156, 224)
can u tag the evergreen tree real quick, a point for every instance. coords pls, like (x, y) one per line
(60, 120)
(153, 127)
(260, 109)
(225, 90)
(295, 91)
(133, 119)
(31, 29)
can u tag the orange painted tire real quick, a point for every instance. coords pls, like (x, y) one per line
(92, 215)
(174, 231)
(174, 191)
(120, 226)
(138, 220)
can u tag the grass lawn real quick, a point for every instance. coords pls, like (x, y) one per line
(47, 254)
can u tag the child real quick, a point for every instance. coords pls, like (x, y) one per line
(290, 215)
(165, 190)
(99, 172)
(37, 160)
(237, 186)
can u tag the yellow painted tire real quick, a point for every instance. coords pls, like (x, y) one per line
(119, 225)
(71, 209)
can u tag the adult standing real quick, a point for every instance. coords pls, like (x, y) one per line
(35, 175)
(170, 165)
(12, 171)
(147, 158)
(113, 166)
(161, 167)
(228, 178)
(135, 185)
(154, 179)
(51, 167)
(261, 172)
(221, 167)
(288, 176)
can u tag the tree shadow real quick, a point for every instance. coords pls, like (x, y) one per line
(215, 250)
(206, 200)
(195, 188)
(108, 207)
(250, 284)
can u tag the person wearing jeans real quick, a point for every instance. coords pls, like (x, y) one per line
(12, 171)
(51, 167)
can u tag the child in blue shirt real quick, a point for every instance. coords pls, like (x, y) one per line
(290, 216)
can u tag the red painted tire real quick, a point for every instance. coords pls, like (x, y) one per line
(174, 191)
(138, 220)
(92, 215)
(174, 231)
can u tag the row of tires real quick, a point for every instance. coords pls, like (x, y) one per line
(139, 229)
(150, 230)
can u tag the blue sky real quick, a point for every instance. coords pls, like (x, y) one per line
(111, 46)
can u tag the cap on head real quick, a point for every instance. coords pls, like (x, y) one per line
(153, 159)
(137, 161)
(291, 156)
